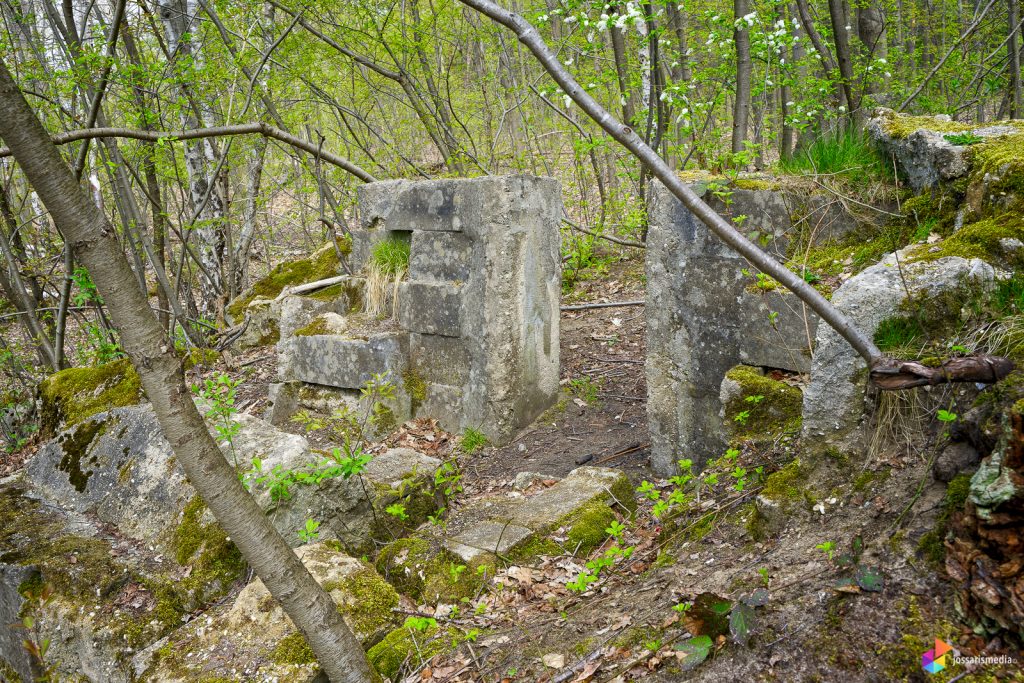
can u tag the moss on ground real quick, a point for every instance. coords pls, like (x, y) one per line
(76, 394)
(216, 562)
(784, 485)
(323, 263)
(293, 649)
(373, 599)
(586, 527)
(406, 646)
(932, 544)
(763, 408)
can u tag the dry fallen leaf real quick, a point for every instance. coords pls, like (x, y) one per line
(553, 660)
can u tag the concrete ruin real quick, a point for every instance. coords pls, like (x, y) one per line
(707, 312)
(475, 342)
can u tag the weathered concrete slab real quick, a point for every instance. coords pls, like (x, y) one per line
(487, 538)
(440, 360)
(431, 308)
(581, 486)
(337, 361)
(703, 318)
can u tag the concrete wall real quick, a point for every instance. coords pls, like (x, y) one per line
(478, 312)
(703, 316)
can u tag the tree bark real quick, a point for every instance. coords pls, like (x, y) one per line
(94, 242)
(744, 69)
(839, 14)
(1013, 11)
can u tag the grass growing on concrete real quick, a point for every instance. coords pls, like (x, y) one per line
(385, 270)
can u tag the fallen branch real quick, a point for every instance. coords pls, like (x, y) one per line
(258, 128)
(613, 304)
(617, 240)
(890, 374)
(311, 286)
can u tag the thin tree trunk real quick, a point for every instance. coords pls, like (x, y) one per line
(160, 369)
(1014, 53)
(744, 69)
(839, 14)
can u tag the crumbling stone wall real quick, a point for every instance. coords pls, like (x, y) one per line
(704, 316)
(476, 338)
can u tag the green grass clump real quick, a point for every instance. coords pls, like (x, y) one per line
(848, 154)
(473, 440)
(391, 255)
(899, 333)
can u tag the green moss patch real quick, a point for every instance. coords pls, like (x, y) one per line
(319, 325)
(409, 647)
(784, 485)
(586, 527)
(763, 408)
(322, 264)
(978, 240)
(73, 395)
(932, 544)
(900, 127)
(216, 562)
(425, 571)
(370, 601)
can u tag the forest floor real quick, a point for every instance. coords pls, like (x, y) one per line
(814, 624)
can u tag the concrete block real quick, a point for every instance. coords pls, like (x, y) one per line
(440, 360)
(336, 361)
(440, 256)
(431, 308)
(583, 485)
(487, 538)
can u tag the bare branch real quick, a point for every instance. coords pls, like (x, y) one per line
(212, 132)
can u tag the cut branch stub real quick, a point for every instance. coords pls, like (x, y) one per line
(890, 374)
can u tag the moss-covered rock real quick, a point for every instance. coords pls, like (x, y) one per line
(323, 263)
(586, 527)
(409, 647)
(759, 408)
(985, 239)
(255, 635)
(426, 571)
(76, 394)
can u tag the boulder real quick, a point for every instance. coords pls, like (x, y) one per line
(254, 639)
(834, 400)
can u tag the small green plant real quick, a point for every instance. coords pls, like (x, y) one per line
(455, 571)
(309, 533)
(219, 392)
(472, 440)
(963, 139)
(391, 255)
(828, 547)
(397, 510)
(585, 389)
(858, 576)
(420, 624)
(850, 155)
(947, 416)
(765, 578)
(37, 598)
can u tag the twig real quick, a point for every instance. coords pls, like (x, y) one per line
(617, 240)
(625, 451)
(614, 304)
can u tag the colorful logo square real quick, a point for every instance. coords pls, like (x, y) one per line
(933, 661)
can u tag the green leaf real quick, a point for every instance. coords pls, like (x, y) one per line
(869, 578)
(696, 650)
(857, 546)
(741, 622)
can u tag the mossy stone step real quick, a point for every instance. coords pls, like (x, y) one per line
(487, 538)
(584, 485)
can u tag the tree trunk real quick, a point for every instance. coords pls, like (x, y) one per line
(201, 161)
(744, 69)
(1014, 53)
(93, 240)
(839, 14)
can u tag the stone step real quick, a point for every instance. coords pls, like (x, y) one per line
(339, 361)
(582, 486)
